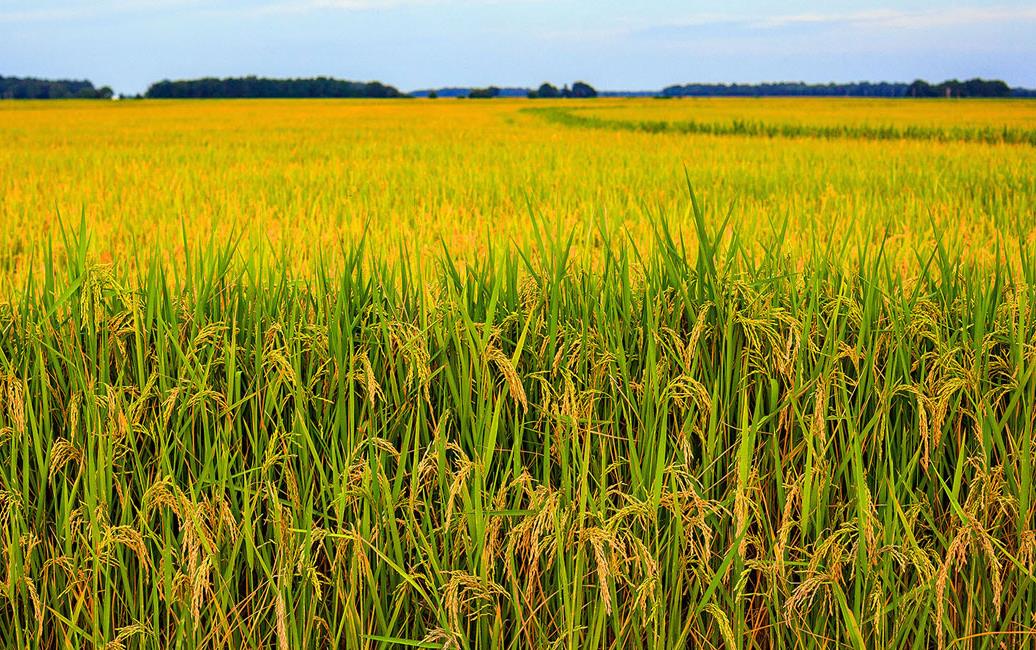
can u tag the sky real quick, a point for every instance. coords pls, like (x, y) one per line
(612, 44)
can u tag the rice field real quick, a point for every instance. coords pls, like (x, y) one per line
(513, 374)
(974, 114)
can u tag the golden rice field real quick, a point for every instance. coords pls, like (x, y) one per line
(456, 374)
(830, 111)
(311, 173)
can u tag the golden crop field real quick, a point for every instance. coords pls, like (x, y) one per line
(830, 111)
(313, 172)
(518, 374)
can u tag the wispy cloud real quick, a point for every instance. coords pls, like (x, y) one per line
(873, 18)
(99, 9)
(876, 18)
(306, 6)
(309, 6)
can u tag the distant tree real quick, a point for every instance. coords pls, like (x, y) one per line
(484, 93)
(241, 87)
(986, 88)
(545, 91)
(955, 88)
(582, 90)
(32, 88)
(433, 95)
(919, 88)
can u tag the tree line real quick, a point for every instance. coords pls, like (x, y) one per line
(954, 88)
(919, 88)
(32, 88)
(259, 87)
(244, 87)
(579, 90)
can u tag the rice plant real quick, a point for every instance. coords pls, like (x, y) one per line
(680, 443)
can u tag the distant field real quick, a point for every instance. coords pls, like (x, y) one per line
(974, 113)
(509, 374)
(311, 172)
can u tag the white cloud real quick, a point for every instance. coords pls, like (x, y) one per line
(901, 19)
(726, 26)
(307, 6)
(884, 18)
(876, 18)
(58, 14)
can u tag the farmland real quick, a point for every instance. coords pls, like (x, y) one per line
(460, 374)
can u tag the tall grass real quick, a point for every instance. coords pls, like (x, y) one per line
(675, 448)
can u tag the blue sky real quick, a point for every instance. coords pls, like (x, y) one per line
(613, 44)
